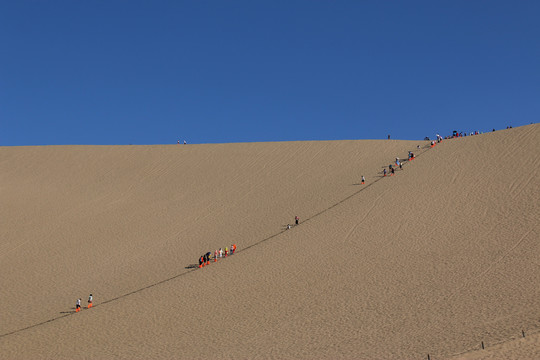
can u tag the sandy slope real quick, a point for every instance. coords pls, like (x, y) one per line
(433, 260)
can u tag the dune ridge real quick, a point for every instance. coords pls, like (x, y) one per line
(433, 260)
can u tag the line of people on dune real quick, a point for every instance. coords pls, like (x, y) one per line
(458, 134)
(392, 167)
(205, 259)
(218, 254)
(221, 253)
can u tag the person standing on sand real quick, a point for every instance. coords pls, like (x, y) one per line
(78, 305)
(90, 298)
(220, 253)
(384, 172)
(215, 255)
(363, 180)
(296, 220)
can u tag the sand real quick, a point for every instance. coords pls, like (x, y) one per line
(434, 260)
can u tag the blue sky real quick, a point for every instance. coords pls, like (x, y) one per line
(154, 72)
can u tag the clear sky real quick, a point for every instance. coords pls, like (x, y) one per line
(154, 72)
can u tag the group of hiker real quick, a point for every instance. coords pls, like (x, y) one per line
(78, 303)
(457, 134)
(296, 221)
(218, 254)
(392, 167)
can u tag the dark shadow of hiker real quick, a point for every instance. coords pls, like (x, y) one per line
(68, 312)
(192, 266)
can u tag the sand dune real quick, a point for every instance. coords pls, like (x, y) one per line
(434, 260)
